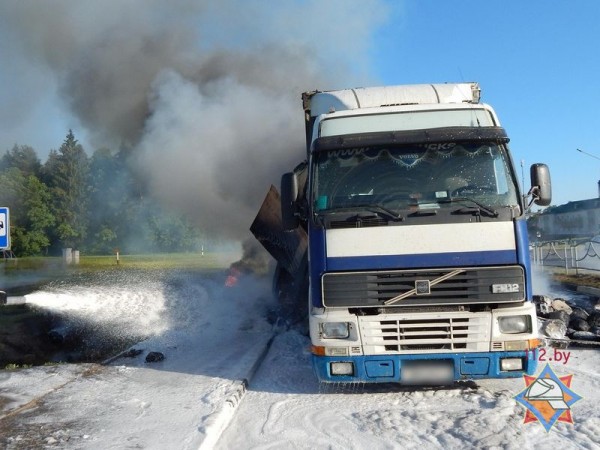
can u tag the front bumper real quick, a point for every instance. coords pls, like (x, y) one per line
(389, 368)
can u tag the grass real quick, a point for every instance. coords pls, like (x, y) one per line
(23, 275)
(17, 366)
(578, 280)
(29, 263)
(159, 261)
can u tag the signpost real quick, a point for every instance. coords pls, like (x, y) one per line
(4, 229)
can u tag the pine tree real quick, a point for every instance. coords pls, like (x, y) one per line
(22, 157)
(66, 174)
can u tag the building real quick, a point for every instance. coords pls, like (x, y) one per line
(573, 220)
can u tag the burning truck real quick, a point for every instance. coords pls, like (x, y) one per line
(403, 238)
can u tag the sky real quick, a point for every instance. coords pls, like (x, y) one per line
(205, 88)
(537, 64)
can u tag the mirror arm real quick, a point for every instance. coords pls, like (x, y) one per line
(533, 193)
(301, 210)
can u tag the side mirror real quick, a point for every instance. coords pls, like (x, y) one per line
(289, 205)
(541, 188)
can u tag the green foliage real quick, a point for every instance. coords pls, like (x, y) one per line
(13, 366)
(173, 234)
(22, 157)
(108, 185)
(12, 183)
(37, 201)
(91, 204)
(67, 179)
(28, 199)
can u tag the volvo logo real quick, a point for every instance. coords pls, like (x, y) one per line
(422, 287)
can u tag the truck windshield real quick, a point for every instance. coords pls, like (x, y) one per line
(428, 176)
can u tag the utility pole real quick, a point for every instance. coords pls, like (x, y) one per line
(523, 192)
(595, 157)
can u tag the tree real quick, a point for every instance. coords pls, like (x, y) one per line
(22, 157)
(12, 193)
(39, 217)
(50, 167)
(28, 199)
(66, 174)
(94, 204)
(172, 233)
(108, 193)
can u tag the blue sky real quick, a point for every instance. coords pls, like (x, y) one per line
(537, 63)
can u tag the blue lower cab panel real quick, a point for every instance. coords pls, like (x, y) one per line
(380, 368)
(474, 366)
(410, 368)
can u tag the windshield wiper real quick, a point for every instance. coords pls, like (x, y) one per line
(380, 210)
(471, 210)
(423, 212)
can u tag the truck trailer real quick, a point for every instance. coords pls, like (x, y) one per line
(404, 231)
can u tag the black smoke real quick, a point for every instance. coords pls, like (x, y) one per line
(205, 93)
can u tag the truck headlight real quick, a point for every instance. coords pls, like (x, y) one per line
(514, 324)
(335, 330)
(511, 364)
(342, 368)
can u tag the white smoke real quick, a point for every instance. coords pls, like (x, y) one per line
(213, 157)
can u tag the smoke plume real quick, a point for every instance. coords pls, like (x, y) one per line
(206, 93)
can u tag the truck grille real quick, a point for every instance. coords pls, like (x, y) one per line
(425, 333)
(459, 286)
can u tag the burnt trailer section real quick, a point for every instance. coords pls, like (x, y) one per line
(288, 248)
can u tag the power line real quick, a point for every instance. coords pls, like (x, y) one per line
(589, 154)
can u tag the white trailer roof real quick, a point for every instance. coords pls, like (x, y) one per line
(329, 101)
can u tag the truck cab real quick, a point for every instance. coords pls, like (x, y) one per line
(418, 255)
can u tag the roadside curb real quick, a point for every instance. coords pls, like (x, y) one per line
(216, 423)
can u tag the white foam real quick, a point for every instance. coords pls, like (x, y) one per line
(137, 309)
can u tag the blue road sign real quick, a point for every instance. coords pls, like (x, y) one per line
(4, 229)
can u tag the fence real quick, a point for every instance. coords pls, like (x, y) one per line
(571, 255)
